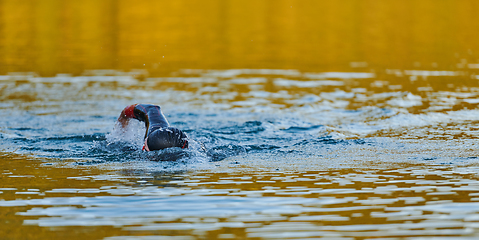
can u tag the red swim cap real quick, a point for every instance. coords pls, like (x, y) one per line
(128, 111)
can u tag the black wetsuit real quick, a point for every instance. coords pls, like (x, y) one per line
(159, 134)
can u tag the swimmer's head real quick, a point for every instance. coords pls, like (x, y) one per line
(166, 138)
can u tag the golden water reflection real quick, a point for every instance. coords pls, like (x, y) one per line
(400, 76)
(405, 200)
(54, 36)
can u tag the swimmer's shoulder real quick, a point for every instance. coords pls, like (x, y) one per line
(146, 106)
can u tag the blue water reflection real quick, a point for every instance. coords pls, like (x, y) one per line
(274, 154)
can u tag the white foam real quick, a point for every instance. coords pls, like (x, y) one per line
(306, 84)
(230, 73)
(473, 65)
(409, 100)
(184, 79)
(133, 133)
(340, 75)
(471, 101)
(247, 80)
(426, 73)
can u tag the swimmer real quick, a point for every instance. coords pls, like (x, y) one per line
(159, 134)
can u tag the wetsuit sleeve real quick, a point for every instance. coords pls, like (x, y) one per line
(140, 113)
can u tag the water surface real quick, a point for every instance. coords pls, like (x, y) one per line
(285, 157)
(308, 119)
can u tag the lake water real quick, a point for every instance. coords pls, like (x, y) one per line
(309, 119)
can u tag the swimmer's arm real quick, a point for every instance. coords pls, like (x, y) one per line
(126, 114)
